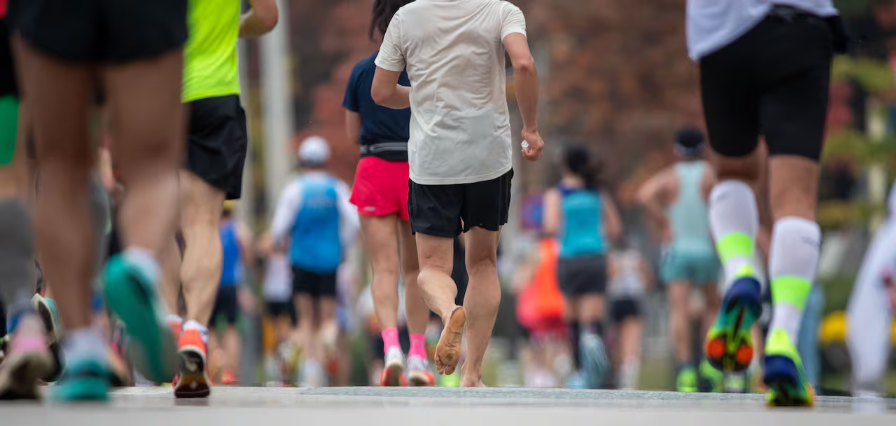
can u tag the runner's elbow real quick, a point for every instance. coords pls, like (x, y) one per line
(524, 65)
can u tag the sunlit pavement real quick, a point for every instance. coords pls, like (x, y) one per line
(443, 406)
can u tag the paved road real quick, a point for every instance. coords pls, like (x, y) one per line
(365, 406)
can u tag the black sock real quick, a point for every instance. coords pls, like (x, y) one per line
(596, 327)
(573, 331)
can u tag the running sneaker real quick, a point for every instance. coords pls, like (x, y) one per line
(787, 383)
(419, 373)
(192, 379)
(28, 361)
(711, 379)
(686, 380)
(228, 377)
(594, 359)
(393, 372)
(130, 295)
(729, 346)
(578, 380)
(46, 308)
(83, 380)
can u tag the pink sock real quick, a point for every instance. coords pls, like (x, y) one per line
(390, 338)
(418, 345)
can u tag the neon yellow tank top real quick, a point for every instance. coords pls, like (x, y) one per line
(210, 62)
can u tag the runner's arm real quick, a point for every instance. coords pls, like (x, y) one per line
(525, 78)
(612, 221)
(244, 238)
(260, 19)
(386, 91)
(652, 196)
(390, 62)
(349, 224)
(551, 223)
(285, 215)
(353, 126)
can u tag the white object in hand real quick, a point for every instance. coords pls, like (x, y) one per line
(525, 145)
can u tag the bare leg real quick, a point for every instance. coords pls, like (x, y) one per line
(305, 308)
(58, 94)
(200, 218)
(382, 246)
(328, 331)
(679, 321)
(631, 331)
(414, 306)
(171, 264)
(591, 309)
(231, 341)
(482, 301)
(436, 256)
(148, 130)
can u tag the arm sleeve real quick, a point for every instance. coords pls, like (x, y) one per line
(350, 102)
(514, 21)
(348, 215)
(391, 55)
(287, 208)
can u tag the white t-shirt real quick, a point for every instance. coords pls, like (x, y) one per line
(714, 24)
(454, 54)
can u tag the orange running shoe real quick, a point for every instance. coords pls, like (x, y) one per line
(419, 373)
(192, 376)
(228, 377)
(393, 373)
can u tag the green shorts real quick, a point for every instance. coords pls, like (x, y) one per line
(695, 268)
(9, 121)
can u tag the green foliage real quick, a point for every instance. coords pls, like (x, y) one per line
(836, 214)
(858, 147)
(873, 75)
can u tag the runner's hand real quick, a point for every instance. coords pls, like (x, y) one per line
(536, 145)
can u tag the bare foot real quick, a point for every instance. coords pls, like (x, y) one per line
(448, 351)
(474, 384)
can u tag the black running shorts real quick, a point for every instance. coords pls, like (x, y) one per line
(577, 276)
(625, 308)
(312, 283)
(216, 150)
(8, 86)
(105, 31)
(438, 210)
(282, 309)
(226, 305)
(772, 81)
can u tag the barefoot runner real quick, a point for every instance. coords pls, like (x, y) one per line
(459, 151)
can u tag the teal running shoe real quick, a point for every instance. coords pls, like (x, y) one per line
(83, 380)
(788, 385)
(729, 345)
(132, 297)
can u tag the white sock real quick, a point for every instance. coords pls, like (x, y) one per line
(732, 210)
(83, 343)
(145, 261)
(796, 243)
(195, 325)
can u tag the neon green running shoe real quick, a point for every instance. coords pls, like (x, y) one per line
(785, 378)
(712, 379)
(451, 380)
(133, 298)
(686, 380)
(729, 346)
(83, 380)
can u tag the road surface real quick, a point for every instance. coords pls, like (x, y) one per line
(365, 406)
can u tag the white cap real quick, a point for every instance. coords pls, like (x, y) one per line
(314, 150)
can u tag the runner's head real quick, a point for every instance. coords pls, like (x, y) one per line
(383, 10)
(577, 162)
(314, 153)
(689, 143)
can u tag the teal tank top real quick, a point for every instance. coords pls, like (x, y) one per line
(581, 232)
(688, 216)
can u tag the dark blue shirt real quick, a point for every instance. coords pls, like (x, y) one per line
(378, 124)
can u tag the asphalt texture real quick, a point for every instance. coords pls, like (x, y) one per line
(363, 406)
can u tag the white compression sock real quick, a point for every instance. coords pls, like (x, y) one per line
(83, 343)
(796, 243)
(144, 259)
(734, 222)
(195, 325)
